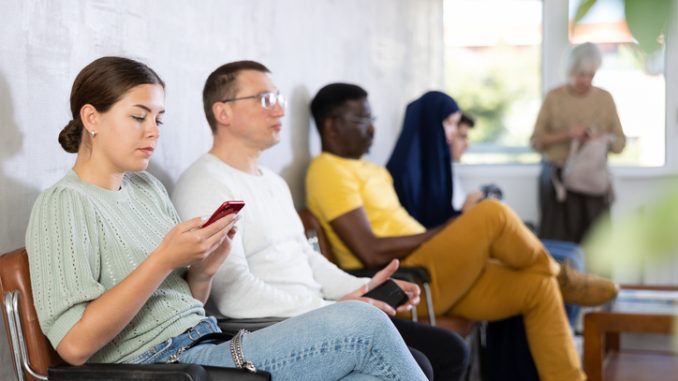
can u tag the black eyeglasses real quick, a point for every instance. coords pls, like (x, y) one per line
(361, 121)
(268, 100)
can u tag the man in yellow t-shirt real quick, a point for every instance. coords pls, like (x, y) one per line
(484, 265)
(357, 184)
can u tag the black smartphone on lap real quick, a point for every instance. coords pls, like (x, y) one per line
(388, 292)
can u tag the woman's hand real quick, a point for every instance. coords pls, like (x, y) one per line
(188, 243)
(207, 267)
(201, 272)
(578, 131)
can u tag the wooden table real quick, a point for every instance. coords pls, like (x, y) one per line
(601, 336)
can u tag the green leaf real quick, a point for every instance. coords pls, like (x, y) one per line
(648, 22)
(583, 9)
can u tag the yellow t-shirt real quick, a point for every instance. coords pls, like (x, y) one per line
(336, 186)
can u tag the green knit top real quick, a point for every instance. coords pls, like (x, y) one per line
(82, 240)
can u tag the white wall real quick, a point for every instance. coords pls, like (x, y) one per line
(391, 47)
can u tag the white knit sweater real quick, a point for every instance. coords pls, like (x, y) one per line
(272, 270)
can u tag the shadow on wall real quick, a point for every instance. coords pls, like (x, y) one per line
(300, 122)
(161, 174)
(16, 200)
(16, 197)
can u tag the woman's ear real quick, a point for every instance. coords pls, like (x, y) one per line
(89, 117)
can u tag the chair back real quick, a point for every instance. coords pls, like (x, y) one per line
(314, 230)
(31, 352)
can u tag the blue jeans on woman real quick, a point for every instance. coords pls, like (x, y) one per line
(345, 341)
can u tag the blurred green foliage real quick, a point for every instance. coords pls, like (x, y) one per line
(635, 237)
(583, 8)
(478, 80)
(648, 20)
(487, 99)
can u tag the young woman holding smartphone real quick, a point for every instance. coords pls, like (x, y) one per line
(117, 278)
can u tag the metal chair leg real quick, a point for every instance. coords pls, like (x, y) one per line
(429, 304)
(8, 298)
(17, 338)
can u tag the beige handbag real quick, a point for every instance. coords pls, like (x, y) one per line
(586, 170)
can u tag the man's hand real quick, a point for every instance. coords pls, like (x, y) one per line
(411, 289)
(413, 293)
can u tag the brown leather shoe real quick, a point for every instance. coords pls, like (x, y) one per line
(585, 289)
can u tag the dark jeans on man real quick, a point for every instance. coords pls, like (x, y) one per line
(447, 352)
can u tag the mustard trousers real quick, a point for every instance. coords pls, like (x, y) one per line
(486, 265)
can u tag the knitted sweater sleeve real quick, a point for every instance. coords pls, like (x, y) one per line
(64, 261)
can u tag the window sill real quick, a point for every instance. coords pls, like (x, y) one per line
(532, 170)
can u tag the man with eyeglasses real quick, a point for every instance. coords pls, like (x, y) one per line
(272, 270)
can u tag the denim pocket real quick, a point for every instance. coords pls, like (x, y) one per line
(154, 354)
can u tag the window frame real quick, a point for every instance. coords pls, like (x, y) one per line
(555, 45)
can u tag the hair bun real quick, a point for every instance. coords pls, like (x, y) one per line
(70, 136)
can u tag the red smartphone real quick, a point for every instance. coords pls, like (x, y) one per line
(225, 209)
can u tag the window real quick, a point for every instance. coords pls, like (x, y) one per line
(634, 78)
(493, 68)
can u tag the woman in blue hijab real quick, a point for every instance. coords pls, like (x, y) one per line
(421, 167)
(421, 164)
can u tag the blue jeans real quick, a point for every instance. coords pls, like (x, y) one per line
(345, 341)
(562, 251)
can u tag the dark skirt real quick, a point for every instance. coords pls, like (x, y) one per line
(569, 220)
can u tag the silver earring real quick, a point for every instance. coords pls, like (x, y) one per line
(92, 134)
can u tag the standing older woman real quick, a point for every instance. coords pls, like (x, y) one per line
(575, 112)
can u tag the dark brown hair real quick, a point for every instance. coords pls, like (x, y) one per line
(467, 120)
(222, 84)
(100, 84)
